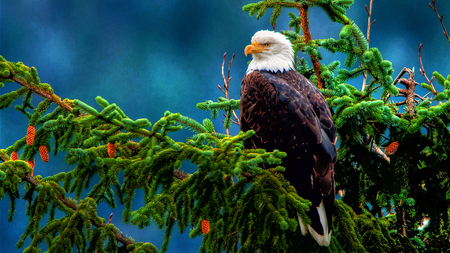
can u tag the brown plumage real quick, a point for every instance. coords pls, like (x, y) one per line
(288, 113)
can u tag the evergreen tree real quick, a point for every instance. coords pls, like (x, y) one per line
(230, 200)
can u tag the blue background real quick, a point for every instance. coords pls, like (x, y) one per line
(152, 56)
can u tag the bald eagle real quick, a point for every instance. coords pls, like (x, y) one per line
(288, 113)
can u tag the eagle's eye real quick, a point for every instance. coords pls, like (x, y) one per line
(267, 45)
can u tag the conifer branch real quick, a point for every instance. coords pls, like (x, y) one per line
(307, 35)
(52, 97)
(433, 7)
(119, 236)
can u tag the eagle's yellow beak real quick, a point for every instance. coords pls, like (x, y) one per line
(254, 48)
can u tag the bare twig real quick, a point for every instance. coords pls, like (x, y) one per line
(369, 24)
(226, 82)
(110, 218)
(420, 97)
(440, 18)
(402, 72)
(422, 71)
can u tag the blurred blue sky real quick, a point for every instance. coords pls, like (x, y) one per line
(152, 56)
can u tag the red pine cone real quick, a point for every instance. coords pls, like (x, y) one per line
(205, 226)
(44, 153)
(390, 150)
(14, 156)
(31, 163)
(30, 134)
(111, 149)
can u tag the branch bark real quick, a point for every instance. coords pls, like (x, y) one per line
(409, 92)
(307, 35)
(54, 98)
(422, 71)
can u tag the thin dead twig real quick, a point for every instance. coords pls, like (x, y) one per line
(226, 82)
(440, 18)
(422, 71)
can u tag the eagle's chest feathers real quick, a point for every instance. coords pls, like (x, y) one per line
(263, 111)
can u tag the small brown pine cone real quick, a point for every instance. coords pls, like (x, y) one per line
(390, 150)
(111, 149)
(31, 130)
(44, 153)
(14, 156)
(205, 226)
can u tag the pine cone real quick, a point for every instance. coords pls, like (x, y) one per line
(31, 130)
(14, 156)
(111, 149)
(205, 226)
(44, 153)
(390, 150)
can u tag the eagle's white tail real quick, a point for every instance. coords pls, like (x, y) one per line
(322, 240)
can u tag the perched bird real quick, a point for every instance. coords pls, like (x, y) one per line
(288, 113)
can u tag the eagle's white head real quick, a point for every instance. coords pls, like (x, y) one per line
(271, 51)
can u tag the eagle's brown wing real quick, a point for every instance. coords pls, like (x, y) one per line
(290, 114)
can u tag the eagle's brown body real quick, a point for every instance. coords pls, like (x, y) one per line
(290, 114)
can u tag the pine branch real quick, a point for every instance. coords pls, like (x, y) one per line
(54, 98)
(119, 236)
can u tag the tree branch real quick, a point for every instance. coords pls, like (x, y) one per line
(409, 92)
(422, 71)
(119, 236)
(307, 35)
(54, 98)
(440, 18)
(369, 24)
(226, 82)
